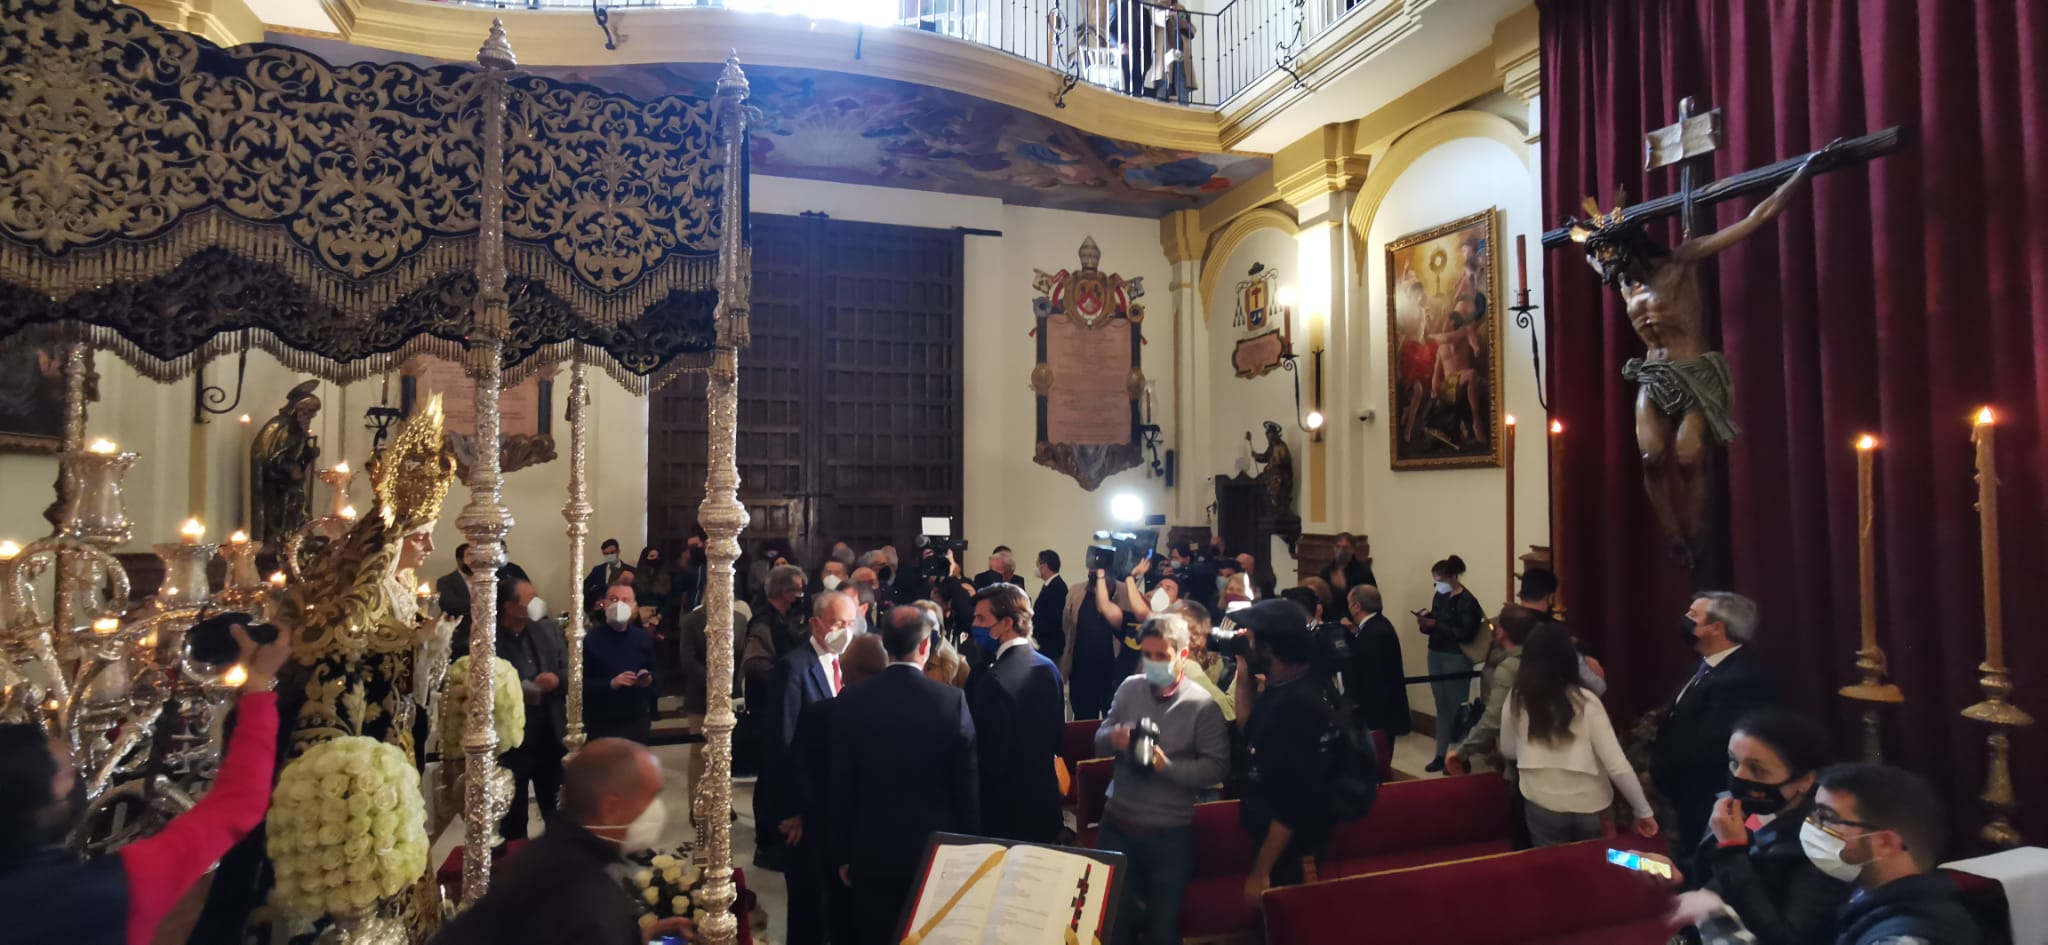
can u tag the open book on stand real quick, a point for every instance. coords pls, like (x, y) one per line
(977, 891)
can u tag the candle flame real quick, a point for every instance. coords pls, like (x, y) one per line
(8, 550)
(1511, 420)
(341, 467)
(277, 579)
(238, 537)
(1556, 427)
(1985, 417)
(348, 511)
(106, 625)
(245, 418)
(235, 675)
(426, 590)
(102, 446)
(193, 529)
(1866, 443)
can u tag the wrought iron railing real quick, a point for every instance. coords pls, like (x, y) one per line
(1153, 48)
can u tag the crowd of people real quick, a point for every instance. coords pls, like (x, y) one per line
(893, 700)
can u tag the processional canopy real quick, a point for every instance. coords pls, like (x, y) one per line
(176, 200)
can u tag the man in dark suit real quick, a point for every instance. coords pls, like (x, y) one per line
(1345, 570)
(810, 755)
(1049, 611)
(539, 655)
(1002, 569)
(1020, 714)
(559, 888)
(903, 768)
(805, 675)
(1689, 759)
(1373, 681)
(603, 575)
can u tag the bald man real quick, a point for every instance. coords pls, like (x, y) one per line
(555, 889)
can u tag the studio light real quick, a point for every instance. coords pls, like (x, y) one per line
(1127, 507)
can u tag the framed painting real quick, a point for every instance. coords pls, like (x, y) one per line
(1443, 345)
(31, 395)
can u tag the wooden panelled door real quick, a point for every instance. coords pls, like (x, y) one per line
(851, 410)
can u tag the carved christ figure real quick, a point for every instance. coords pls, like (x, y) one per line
(1687, 397)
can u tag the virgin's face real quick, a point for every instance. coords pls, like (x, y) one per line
(413, 551)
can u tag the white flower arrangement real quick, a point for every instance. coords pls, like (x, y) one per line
(347, 827)
(508, 707)
(665, 885)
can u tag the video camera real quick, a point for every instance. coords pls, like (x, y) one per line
(938, 539)
(1119, 552)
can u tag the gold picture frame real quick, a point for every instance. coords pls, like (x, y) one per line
(1444, 287)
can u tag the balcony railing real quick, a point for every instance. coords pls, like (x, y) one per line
(1135, 47)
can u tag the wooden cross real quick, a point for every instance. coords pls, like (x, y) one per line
(1695, 136)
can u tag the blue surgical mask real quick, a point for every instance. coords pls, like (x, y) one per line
(1220, 581)
(1159, 673)
(1443, 587)
(984, 637)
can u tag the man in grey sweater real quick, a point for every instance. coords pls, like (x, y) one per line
(1151, 809)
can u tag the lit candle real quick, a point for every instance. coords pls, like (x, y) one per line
(342, 467)
(1987, 516)
(1508, 462)
(348, 512)
(1866, 548)
(425, 591)
(235, 676)
(192, 532)
(1557, 513)
(106, 625)
(248, 430)
(238, 538)
(103, 446)
(9, 551)
(277, 579)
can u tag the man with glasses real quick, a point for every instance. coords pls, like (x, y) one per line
(1880, 829)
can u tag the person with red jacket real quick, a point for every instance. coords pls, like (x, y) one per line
(50, 896)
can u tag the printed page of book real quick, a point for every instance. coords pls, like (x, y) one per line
(1034, 903)
(951, 866)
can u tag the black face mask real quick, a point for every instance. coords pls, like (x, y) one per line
(1688, 631)
(1757, 797)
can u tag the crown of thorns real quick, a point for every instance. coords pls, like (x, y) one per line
(1600, 224)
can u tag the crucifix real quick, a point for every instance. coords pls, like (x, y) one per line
(1685, 402)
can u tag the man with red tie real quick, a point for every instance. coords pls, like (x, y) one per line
(806, 674)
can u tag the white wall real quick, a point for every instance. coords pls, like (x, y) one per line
(1240, 405)
(1010, 500)
(1416, 517)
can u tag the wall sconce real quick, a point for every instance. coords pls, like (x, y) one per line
(1313, 421)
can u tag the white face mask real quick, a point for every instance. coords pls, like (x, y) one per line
(611, 557)
(645, 830)
(1443, 587)
(536, 609)
(1825, 850)
(831, 582)
(1159, 600)
(837, 640)
(618, 612)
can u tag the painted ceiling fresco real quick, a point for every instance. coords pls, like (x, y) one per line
(851, 129)
(861, 130)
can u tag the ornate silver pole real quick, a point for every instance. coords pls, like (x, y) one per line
(484, 521)
(66, 580)
(723, 517)
(578, 514)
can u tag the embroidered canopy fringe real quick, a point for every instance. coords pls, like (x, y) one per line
(179, 201)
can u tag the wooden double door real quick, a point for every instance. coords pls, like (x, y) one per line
(850, 398)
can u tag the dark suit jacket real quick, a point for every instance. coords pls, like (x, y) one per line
(554, 890)
(1689, 760)
(798, 680)
(453, 590)
(1048, 618)
(1373, 681)
(1020, 716)
(902, 768)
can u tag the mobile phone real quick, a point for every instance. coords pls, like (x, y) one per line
(1639, 863)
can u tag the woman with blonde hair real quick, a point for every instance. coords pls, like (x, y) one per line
(945, 664)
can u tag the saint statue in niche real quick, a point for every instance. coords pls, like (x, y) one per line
(280, 468)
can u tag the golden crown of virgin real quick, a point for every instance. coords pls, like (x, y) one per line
(414, 472)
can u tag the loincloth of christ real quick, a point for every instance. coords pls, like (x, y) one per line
(1701, 385)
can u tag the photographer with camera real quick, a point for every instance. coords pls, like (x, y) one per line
(1170, 743)
(1285, 712)
(1332, 643)
(1092, 622)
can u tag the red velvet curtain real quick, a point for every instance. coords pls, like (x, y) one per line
(1892, 298)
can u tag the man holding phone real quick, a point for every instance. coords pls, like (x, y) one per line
(618, 672)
